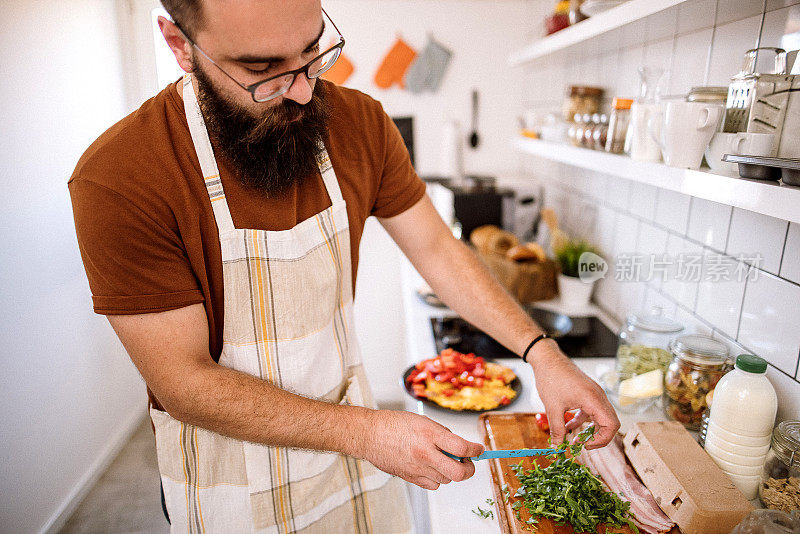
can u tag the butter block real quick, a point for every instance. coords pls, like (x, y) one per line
(686, 483)
(649, 384)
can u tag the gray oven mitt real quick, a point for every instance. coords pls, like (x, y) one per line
(427, 70)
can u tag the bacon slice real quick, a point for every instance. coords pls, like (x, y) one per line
(610, 465)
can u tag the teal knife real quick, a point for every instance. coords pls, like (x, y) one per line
(509, 453)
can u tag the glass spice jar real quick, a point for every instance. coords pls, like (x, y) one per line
(618, 125)
(780, 480)
(600, 133)
(698, 362)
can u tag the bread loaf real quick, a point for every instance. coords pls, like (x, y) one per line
(532, 252)
(492, 240)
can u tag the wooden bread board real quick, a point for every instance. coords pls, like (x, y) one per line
(519, 431)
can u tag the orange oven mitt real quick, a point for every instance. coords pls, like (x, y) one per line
(394, 65)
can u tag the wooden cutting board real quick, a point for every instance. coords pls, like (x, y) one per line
(519, 431)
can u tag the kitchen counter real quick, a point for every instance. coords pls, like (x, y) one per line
(449, 507)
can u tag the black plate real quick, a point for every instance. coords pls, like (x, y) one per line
(516, 385)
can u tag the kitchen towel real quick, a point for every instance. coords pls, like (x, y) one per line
(427, 71)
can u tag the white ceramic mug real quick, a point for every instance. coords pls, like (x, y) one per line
(638, 142)
(687, 129)
(750, 144)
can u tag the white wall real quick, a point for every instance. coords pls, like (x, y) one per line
(481, 34)
(69, 391)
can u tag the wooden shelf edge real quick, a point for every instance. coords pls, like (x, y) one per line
(612, 19)
(767, 198)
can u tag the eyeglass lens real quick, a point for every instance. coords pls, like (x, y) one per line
(278, 86)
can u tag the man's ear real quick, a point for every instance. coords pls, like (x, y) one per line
(177, 42)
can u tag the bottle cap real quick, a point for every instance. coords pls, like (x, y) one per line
(621, 103)
(751, 363)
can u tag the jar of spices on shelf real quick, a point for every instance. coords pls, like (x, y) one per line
(618, 125)
(600, 133)
(581, 99)
(698, 363)
(575, 130)
(780, 481)
(588, 132)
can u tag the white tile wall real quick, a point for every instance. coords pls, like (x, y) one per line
(790, 264)
(719, 298)
(769, 321)
(709, 222)
(700, 42)
(757, 238)
(672, 210)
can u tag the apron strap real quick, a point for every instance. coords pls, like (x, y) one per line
(208, 164)
(328, 175)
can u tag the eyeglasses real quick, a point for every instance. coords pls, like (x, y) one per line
(276, 85)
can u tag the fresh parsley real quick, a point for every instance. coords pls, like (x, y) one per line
(568, 493)
(480, 512)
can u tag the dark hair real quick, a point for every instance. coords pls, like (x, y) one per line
(185, 13)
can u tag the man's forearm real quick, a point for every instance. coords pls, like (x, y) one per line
(481, 300)
(244, 407)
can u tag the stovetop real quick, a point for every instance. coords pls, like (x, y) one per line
(589, 338)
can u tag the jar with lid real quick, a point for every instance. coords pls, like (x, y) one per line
(618, 125)
(581, 99)
(780, 480)
(644, 343)
(698, 362)
(600, 133)
(575, 130)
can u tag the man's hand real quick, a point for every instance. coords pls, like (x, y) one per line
(410, 446)
(563, 387)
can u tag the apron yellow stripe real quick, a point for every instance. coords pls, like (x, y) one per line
(333, 257)
(196, 488)
(185, 473)
(339, 250)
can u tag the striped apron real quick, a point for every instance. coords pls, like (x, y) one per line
(288, 320)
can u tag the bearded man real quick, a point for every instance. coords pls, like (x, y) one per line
(219, 226)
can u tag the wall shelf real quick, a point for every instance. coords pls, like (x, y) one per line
(612, 19)
(774, 199)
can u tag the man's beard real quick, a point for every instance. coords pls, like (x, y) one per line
(270, 152)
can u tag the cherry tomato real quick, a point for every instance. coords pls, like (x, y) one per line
(541, 420)
(505, 401)
(479, 382)
(449, 392)
(419, 390)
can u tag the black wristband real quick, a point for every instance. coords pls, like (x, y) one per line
(534, 342)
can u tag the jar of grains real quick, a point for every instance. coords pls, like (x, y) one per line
(780, 481)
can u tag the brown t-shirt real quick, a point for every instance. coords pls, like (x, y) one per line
(144, 221)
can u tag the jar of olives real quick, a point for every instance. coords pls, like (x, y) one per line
(780, 481)
(698, 362)
(644, 343)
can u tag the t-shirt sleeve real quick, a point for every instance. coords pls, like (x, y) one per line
(400, 187)
(134, 263)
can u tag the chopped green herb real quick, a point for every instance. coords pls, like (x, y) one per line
(568, 493)
(480, 512)
(490, 502)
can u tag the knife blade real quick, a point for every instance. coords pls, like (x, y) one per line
(507, 453)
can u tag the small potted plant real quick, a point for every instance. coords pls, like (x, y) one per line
(575, 291)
